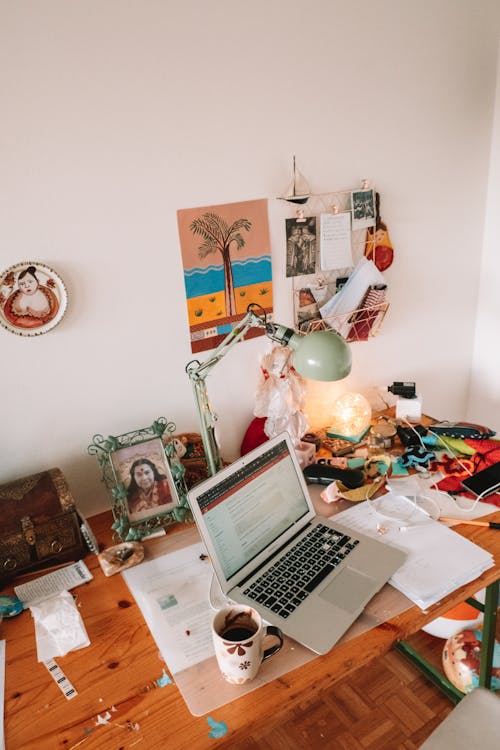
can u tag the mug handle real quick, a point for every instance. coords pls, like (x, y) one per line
(272, 630)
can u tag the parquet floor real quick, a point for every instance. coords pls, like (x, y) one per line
(387, 706)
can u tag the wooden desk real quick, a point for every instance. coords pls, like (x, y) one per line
(118, 672)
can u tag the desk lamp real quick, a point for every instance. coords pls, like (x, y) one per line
(319, 355)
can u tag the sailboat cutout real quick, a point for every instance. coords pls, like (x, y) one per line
(298, 191)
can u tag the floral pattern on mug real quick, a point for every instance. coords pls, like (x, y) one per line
(239, 648)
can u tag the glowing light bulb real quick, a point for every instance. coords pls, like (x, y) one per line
(351, 415)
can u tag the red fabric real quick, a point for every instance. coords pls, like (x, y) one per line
(487, 453)
(254, 435)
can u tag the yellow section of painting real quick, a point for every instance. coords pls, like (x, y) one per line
(209, 307)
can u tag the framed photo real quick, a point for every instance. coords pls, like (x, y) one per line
(145, 477)
(33, 298)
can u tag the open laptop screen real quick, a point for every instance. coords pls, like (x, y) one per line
(251, 505)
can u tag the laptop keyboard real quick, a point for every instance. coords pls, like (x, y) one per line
(285, 585)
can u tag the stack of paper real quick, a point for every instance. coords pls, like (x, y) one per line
(438, 559)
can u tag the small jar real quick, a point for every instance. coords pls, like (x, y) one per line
(381, 437)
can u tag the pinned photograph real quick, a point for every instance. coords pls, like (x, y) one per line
(363, 209)
(301, 243)
(307, 310)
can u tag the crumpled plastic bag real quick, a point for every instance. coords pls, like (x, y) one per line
(59, 627)
(280, 396)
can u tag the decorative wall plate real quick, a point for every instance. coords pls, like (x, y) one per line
(33, 298)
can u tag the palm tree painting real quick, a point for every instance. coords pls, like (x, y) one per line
(219, 237)
(227, 265)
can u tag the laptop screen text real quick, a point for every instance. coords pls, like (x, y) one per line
(252, 506)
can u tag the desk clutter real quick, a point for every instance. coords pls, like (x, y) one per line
(446, 459)
(463, 458)
(402, 470)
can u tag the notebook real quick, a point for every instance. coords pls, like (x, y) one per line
(306, 574)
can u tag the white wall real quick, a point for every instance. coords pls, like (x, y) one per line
(115, 114)
(484, 399)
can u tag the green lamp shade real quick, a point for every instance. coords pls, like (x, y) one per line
(321, 355)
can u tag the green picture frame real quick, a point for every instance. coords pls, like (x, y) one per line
(145, 478)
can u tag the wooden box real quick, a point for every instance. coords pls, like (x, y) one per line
(39, 524)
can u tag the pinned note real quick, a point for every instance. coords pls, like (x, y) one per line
(335, 241)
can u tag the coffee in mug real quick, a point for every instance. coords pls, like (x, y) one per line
(238, 635)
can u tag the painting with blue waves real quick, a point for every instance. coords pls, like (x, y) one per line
(199, 281)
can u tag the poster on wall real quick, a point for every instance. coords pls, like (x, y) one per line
(226, 256)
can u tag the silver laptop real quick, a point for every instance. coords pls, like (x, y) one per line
(304, 573)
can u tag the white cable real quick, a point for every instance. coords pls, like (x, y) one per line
(412, 500)
(484, 493)
(216, 597)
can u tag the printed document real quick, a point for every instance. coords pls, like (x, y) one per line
(439, 560)
(56, 582)
(172, 593)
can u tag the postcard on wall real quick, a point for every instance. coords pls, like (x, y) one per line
(363, 209)
(226, 256)
(306, 310)
(335, 240)
(300, 246)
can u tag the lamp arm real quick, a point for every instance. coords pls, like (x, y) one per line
(207, 419)
(198, 372)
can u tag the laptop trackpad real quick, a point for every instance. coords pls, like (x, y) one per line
(349, 589)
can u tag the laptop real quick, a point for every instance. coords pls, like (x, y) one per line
(306, 574)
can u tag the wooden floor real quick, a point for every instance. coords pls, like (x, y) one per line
(388, 706)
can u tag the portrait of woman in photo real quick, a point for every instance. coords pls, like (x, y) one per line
(149, 490)
(32, 304)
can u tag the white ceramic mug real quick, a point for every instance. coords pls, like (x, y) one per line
(238, 635)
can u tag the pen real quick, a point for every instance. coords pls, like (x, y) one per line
(490, 524)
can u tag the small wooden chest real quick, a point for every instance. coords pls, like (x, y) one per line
(39, 524)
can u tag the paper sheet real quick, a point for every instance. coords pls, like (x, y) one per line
(172, 593)
(335, 241)
(427, 575)
(49, 584)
